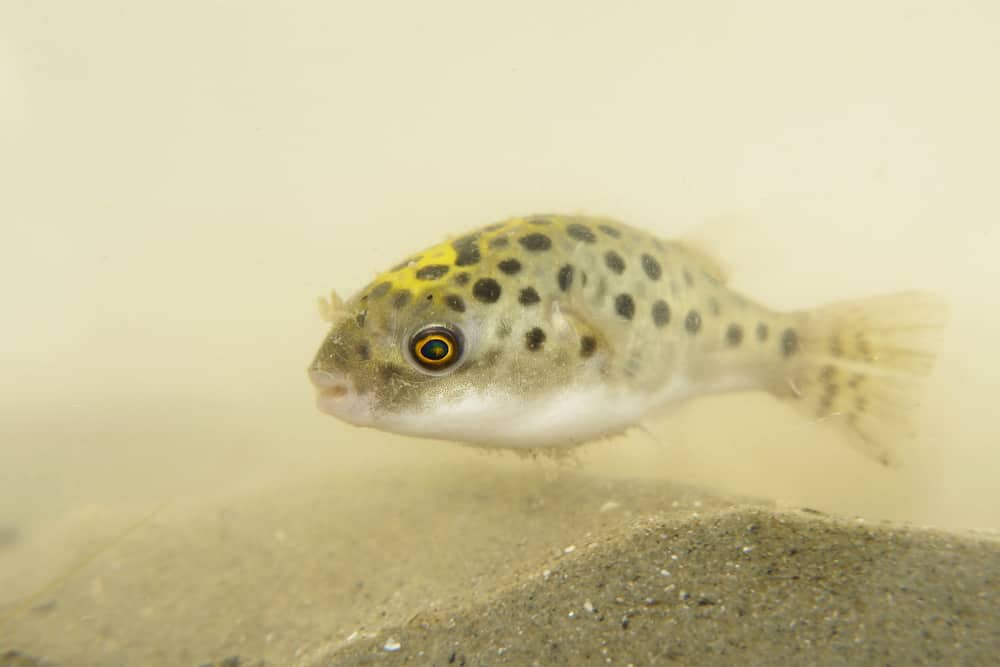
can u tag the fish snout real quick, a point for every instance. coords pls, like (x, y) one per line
(336, 396)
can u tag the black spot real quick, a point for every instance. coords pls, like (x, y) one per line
(401, 299)
(361, 317)
(565, 277)
(651, 267)
(534, 339)
(581, 233)
(380, 290)
(528, 297)
(688, 278)
(510, 266)
(661, 313)
(455, 302)
(430, 297)
(432, 271)
(499, 242)
(583, 278)
(405, 263)
(461, 278)
(625, 306)
(762, 332)
(364, 352)
(789, 342)
(486, 290)
(588, 344)
(610, 231)
(467, 250)
(734, 334)
(693, 322)
(536, 242)
(614, 261)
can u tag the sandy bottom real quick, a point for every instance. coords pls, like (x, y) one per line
(493, 565)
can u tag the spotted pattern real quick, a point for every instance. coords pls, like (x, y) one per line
(510, 266)
(486, 290)
(734, 334)
(455, 302)
(651, 267)
(536, 242)
(401, 299)
(364, 352)
(625, 306)
(581, 233)
(692, 323)
(432, 271)
(467, 250)
(789, 342)
(499, 242)
(588, 345)
(610, 231)
(614, 262)
(661, 313)
(565, 277)
(461, 278)
(534, 339)
(528, 297)
(380, 290)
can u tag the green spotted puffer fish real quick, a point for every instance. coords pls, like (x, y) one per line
(549, 331)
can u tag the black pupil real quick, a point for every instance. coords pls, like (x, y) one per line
(435, 350)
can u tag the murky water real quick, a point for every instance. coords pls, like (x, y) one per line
(181, 181)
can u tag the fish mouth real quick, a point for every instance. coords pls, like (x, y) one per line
(335, 395)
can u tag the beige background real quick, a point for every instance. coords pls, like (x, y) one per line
(180, 181)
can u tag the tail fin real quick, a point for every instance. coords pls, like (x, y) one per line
(859, 365)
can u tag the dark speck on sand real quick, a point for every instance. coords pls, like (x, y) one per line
(739, 586)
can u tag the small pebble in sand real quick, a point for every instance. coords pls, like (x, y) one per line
(665, 573)
(610, 505)
(391, 645)
(570, 549)
(589, 606)
(546, 574)
(572, 614)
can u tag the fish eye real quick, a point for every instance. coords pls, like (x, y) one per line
(436, 348)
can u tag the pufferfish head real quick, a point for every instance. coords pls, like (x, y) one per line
(465, 341)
